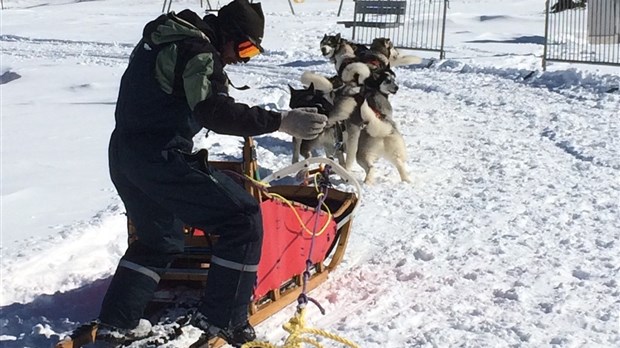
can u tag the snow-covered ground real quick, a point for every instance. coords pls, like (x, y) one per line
(508, 236)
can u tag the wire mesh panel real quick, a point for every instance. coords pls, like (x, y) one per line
(582, 32)
(413, 24)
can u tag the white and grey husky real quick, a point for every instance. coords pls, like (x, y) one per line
(381, 138)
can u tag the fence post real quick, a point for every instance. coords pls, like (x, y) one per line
(442, 53)
(291, 6)
(544, 58)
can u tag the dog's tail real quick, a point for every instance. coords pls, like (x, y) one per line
(355, 72)
(399, 60)
(321, 83)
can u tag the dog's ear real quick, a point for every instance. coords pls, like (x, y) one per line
(338, 36)
(294, 100)
(311, 87)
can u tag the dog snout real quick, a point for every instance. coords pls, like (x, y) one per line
(325, 50)
(395, 89)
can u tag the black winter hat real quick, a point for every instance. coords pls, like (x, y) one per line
(242, 18)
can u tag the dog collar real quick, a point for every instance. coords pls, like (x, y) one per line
(376, 63)
(378, 114)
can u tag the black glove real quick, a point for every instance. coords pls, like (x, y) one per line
(304, 123)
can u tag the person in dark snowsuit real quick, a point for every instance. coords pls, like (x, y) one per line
(174, 85)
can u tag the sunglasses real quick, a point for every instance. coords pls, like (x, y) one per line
(247, 49)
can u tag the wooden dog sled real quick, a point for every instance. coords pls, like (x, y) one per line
(289, 212)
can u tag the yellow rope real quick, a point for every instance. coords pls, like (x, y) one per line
(301, 222)
(296, 327)
(290, 204)
(260, 183)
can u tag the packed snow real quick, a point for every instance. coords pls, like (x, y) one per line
(508, 235)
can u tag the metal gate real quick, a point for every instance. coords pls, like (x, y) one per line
(411, 24)
(582, 32)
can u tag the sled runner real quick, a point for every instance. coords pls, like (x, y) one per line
(289, 212)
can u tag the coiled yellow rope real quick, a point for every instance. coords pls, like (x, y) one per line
(296, 327)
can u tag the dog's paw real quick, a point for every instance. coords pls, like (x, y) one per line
(370, 177)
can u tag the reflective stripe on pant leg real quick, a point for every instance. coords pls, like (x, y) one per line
(140, 269)
(233, 265)
(126, 298)
(232, 277)
(133, 285)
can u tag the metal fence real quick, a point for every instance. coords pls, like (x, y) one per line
(582, 32)
(417, 25)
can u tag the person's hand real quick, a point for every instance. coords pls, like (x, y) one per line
(304, 123)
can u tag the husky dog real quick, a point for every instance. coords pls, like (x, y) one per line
(347, 110)
(331, 138)
(380, 138)
(330, 43)
(383, 54)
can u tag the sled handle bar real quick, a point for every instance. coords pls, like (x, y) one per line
(305, 164)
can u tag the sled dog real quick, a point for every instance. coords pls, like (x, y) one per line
(329, 44)
(371, 132)
(383, 50)
(380, 137)
(330, 139)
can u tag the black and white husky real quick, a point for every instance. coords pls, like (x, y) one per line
(330, 43)
(330, 140)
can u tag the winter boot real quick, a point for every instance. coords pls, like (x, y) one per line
(236, 337)
(116, 335)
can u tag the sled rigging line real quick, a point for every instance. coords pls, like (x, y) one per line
(262, 187)
(296, 326)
